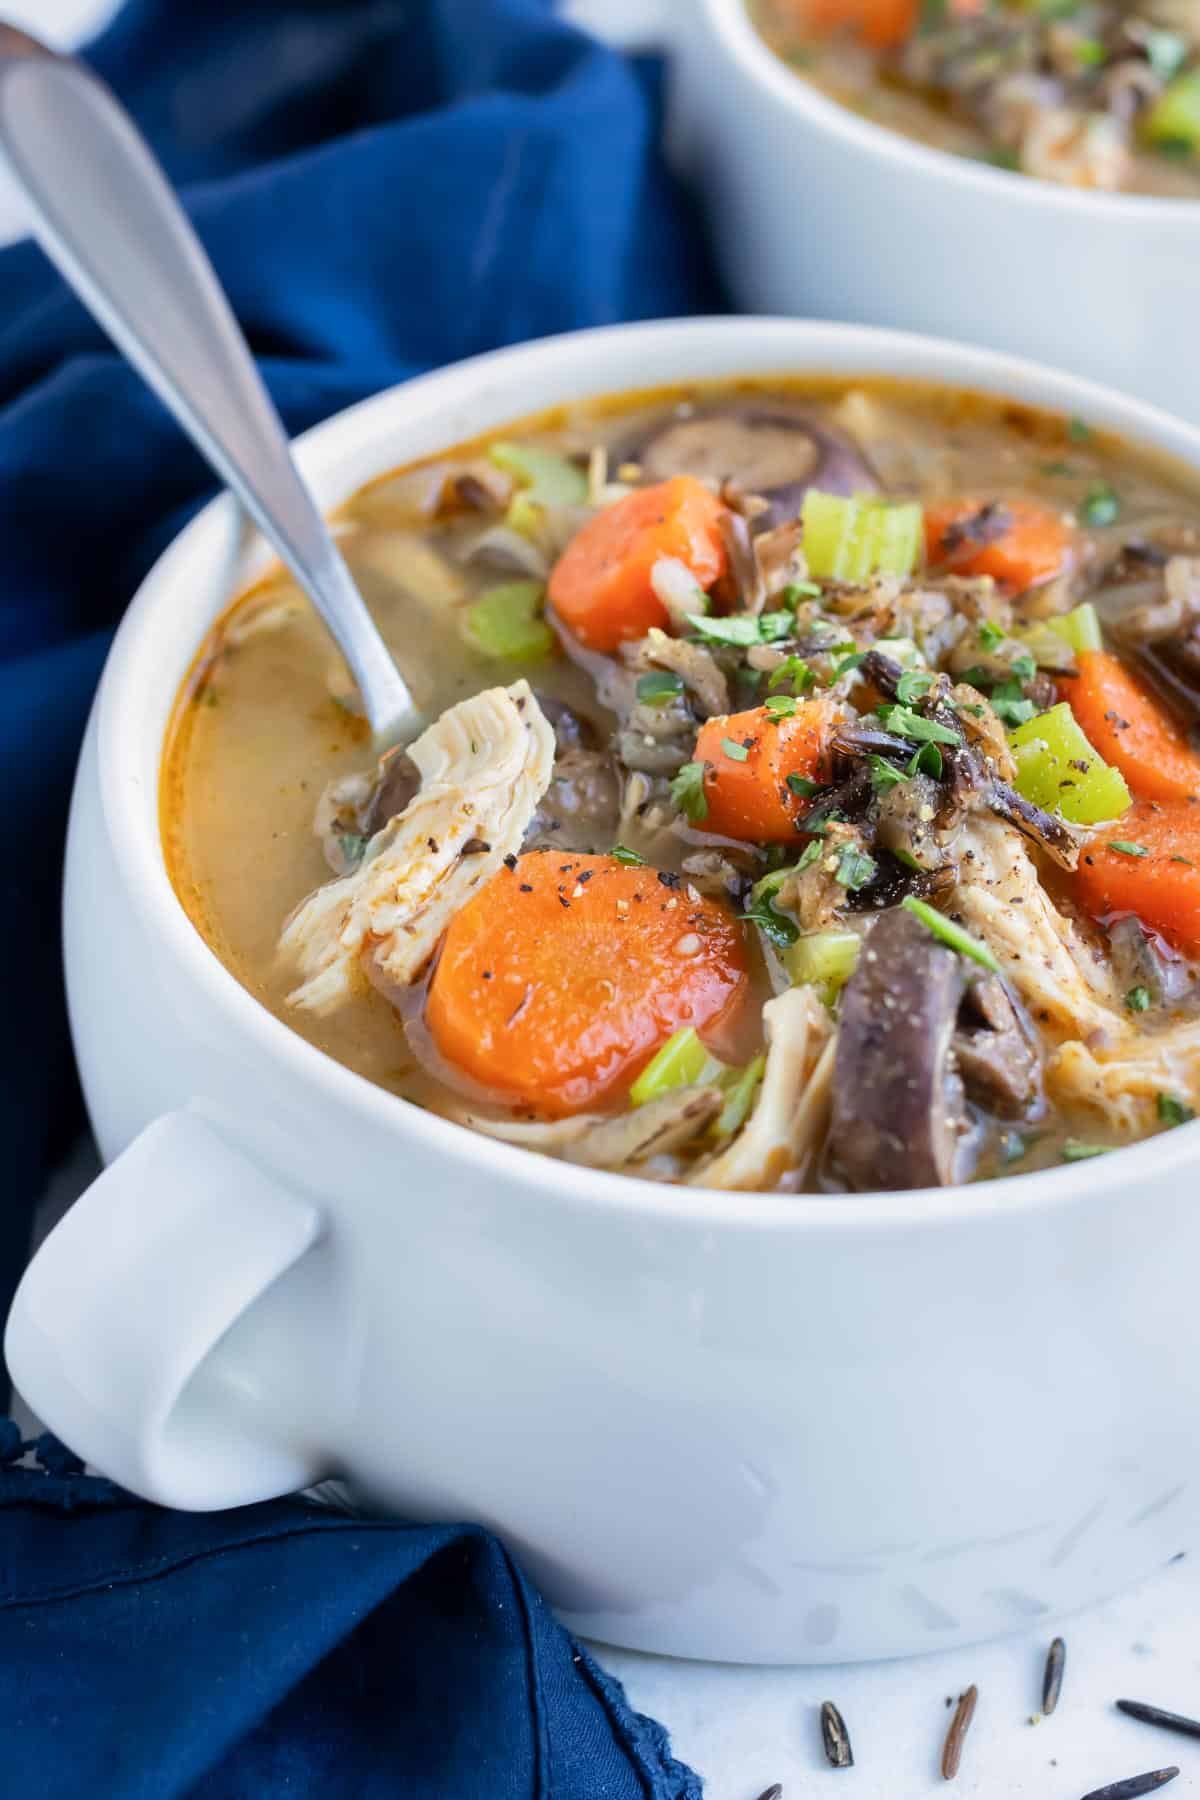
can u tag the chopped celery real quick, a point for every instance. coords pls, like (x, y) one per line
(507, 621)
(824, 960)
(1058, 768)
(1049, 648)
(681, 1062)
(1173, 122)
(740, 1087)
(848, 538)
(1080, 628)
(548, 479)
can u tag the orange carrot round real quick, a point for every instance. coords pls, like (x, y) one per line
(880, 23)
(1017, 542)
(560, 978)
(1128, 727)
(1148, 863)
(747, 759)
(600, 585)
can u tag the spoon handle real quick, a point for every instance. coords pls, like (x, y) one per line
(106, 216)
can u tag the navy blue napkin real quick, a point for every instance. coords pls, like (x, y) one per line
(384, 185)
(287, 1650)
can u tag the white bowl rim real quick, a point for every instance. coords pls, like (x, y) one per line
(140, 860)
(732, 24)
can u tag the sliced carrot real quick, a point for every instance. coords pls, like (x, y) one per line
(1128, 727)
(1017, 542)
(1148, 864)
(600, 585)
(561, 977)
(880, 23)
(747, 759)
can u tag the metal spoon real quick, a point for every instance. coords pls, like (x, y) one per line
(106, 216)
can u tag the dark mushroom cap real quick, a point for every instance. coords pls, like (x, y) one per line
(899, 1114)
(771, 450)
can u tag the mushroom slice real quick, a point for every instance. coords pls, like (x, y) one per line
(484, 765)
(769, 449)
(997, 1052)
(899, 1111)
(788, 1120)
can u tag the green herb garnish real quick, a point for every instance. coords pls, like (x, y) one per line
(854, 868)
(657, 689)
(779, 706)
(1138, 999)
(990, 635)
(1078, 432)
(800, 784)
(885, 775)
(795, 591)
(742, 629)
(950, 934)
(687, 791)
(906, 723)
(912, 684)
(927, 761)
(1101, 505)
(795, 670)
(622, 854)
(1010, 704)
(734, 751)
(1075, 1150)
(1125, 848)
(1172, 1111)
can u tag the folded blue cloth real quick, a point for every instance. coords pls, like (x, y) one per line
(383, 186)
(287, 1650)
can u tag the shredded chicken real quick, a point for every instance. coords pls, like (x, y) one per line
(790, 1113)
(1124, 1085)
(484, 766)
(1002, 901)
(693, 663)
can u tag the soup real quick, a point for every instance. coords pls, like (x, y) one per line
(808, 799)
(1090, 93)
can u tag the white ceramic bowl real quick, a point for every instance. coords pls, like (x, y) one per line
(714, 1424)
(816, 211)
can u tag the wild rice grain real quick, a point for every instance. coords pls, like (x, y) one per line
(960, 1724)
(772, 1793)
(1154, 1715)
(835, 1737)
(1052, 1680)
(1134, 1786)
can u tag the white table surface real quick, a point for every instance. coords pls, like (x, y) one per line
(744, 1728)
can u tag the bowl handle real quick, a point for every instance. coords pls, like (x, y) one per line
(112, 1330)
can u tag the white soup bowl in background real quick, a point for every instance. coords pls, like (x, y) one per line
(819, 212)
(722, 1425)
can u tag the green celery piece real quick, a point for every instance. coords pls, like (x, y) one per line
(740, 1087)
(1174, 119)
(823, 959)
(1080, 628)
(1046, 747)
(547, 478)
(681, 1062)
(506, 621)
(848, 538)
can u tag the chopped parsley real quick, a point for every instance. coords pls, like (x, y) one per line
(1078, 431)
(950, 934)
(796, 591)
(1172, 1111)
(1124, 847)
(1010, 705)
(1101, 505)
(1138, 999)
(991, 636)
(884, 775)
(658, 688)
(622, 854)
(1075, 1150)
(687, 791)
(854, 868)
(352, 844)
(906, 723)
(795, 670)
(912, 684)
(848, 662)
(779, 706)
(733, 750)
(928, 760)
(743, 629)
(800, 784)
(1024, 667)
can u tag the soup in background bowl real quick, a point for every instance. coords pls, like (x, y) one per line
(1092, 94)
(809, 800)
(717, 1423)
